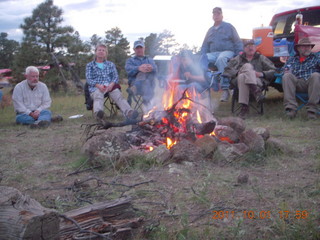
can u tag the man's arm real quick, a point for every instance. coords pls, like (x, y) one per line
(131, 68)
(18, 103)
(46, 100)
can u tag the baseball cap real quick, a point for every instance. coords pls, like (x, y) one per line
(138, 43)
(248, 42)
(217, 9)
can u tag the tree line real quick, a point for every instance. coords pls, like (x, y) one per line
(46, 42)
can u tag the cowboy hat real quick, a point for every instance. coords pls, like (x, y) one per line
(303, 42)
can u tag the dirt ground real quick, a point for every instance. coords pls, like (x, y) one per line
(193, 200)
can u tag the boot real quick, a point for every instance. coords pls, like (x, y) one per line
(244, 111)
(257, 93)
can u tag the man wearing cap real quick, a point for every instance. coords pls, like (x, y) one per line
(220, 44)
(302, 74)
(248, 71)
(141, 72)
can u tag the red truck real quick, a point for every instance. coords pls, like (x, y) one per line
(286, 28)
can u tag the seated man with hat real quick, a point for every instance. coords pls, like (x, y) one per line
(141, 72)
(248, 71)
(302, 74)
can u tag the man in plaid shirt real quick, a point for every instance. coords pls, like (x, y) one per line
(102, 78)
(302, 74)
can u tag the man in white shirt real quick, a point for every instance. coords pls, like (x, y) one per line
(31, 100)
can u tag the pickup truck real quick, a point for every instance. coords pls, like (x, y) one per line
(289, 26)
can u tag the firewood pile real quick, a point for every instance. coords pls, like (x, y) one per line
(22, 217)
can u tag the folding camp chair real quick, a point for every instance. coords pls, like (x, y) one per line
(134, 100)
(257, 107)
(303, 97)
(109, 104)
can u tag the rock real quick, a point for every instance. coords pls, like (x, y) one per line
(263, 132)
(277, 145)
(127, 158)
(228, 152)
(185, 150)
(161, 154)
(240, 148)
(226, 133)
(107, 144)
(236, 123)
(243, 178)
(254, 141)
(207, 145)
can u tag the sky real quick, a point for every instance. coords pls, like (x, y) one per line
(187, 20)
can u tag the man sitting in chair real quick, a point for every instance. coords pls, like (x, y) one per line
(102, 77)
(141, 72)
(301, 74)
(247, 71)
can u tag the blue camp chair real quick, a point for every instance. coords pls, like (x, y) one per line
(303, 97)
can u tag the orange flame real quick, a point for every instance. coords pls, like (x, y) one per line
(170, 143)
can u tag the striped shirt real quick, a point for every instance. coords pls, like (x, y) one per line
(303, 69)
(104, 76)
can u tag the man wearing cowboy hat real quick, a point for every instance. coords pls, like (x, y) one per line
(302, 74)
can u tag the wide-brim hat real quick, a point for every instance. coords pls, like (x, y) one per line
(304, 42)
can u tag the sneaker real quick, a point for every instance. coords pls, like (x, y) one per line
(290, 113)
(225, 96)
(132, 114)
(244, 111)
(40, 124)
(312, 115)
(57, 118)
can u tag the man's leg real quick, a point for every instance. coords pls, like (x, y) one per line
(289, 85)
(221, 61)
(24, 119)
(122, 103)
(313, 92)
(98, 100)
(45, 115)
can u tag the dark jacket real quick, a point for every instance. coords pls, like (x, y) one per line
(259, 62)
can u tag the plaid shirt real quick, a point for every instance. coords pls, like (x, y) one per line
(303, 70)
(96, 75)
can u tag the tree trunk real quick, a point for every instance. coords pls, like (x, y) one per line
(24, 218)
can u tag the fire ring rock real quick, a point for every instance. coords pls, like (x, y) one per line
(253, 140)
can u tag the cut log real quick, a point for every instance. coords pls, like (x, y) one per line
(114, 220)
(24, 218)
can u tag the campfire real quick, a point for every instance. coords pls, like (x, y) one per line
(177, 119)
(179, 128)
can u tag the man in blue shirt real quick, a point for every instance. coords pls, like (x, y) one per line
(220, 44)
(102, 77)
(141, 72)
(302, 74)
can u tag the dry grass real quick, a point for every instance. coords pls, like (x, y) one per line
(178, 205)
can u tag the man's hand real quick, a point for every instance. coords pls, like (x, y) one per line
(259, 74)
(35, 114)
(145, 68)
(188, 75)
(101, 87)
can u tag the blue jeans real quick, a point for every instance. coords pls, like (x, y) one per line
(45, 115)
(220, 59)
(145, 89)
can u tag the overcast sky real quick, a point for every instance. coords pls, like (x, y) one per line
(187, 20)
